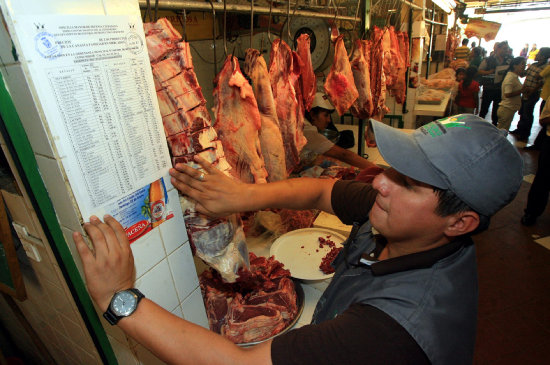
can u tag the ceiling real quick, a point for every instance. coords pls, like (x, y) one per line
(508, 5)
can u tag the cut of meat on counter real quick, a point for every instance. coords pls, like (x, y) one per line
(307, 75)
(360, 65)
(258, 306)
(326, 262)
(271, 140)
(187, 124)
(238, 123)
(339, 85)
(281, 70)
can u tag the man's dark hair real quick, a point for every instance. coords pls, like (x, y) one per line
(515, 61)
(465, 41)
(448, 203)
(313, 112)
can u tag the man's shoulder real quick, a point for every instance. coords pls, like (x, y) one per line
(383, 340)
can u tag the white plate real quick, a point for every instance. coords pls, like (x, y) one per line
(300, 253)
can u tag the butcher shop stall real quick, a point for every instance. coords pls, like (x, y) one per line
(100, 98)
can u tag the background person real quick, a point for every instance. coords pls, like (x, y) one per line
(511, 93)
(317, 120)
(462, 52)
(467, 99)
(545, 94)
(476, 57)
(492, 81)
(524, 51)
(537, 199)
(410, 292)
(532, 53)
(532, 86)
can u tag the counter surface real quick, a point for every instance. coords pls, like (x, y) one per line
(433, 110)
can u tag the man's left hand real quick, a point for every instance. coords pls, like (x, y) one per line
(110, 268)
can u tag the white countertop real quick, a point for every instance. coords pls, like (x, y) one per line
(437, 110)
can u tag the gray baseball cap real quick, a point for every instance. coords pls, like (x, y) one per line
(463, 153)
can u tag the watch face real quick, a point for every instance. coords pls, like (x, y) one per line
(124, 303)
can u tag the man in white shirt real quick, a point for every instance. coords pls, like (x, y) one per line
(317, 120)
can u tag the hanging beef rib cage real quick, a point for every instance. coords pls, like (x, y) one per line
(187, 124)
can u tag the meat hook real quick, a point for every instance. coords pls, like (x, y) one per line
(291, 41)
(183, 25)
(147, 11)
(156, 10)
(251, 21)
(224, 28)
(269, 22)
(214, 36)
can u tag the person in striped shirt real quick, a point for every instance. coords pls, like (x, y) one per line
(462, 52)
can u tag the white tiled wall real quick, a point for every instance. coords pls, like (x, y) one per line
(165, 269)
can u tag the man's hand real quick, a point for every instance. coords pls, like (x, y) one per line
(111, 268)
(216, 194)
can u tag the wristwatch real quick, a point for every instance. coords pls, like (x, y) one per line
(123, 304)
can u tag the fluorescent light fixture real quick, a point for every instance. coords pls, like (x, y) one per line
(446, 5)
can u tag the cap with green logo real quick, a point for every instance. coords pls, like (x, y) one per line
(464, 154)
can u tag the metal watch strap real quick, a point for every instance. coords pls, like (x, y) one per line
(113, 318)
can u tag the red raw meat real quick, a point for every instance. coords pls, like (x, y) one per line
(390, 47)
(360, 65)
(166, 69)
(339, 84)
(291, 123)
(185, 143)
(195, 119)
(184, 90)
(161, 38)
(172, 124)
(307, 75)
(399, 89)
(248, 323)
(259, 305)
(271, 140)
(218, 242)
(238, 122)
(377, 74)
(166, 105)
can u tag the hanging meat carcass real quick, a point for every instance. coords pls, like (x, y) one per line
(339, 84)
(390, 47)
(238, 123)
(360, 65)
(377, 74)
(271, 140)
(282, 72)
(399, 88)
(307, 75)
(187, 124)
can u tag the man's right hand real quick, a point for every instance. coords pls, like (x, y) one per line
(215, 193)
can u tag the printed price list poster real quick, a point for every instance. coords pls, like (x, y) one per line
(93, 79)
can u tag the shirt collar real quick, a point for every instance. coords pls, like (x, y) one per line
(418, 260)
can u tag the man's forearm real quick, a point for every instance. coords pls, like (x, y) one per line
(299, 193)
(177, 341)
(348, 157)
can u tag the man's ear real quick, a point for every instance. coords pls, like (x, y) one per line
(462, 223)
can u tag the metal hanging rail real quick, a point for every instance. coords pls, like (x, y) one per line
(434, 23)
(413, 6)
(179, 5)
